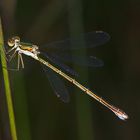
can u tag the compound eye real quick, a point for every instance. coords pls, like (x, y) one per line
(16, 39)
(11, 42)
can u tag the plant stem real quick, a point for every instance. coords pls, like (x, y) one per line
(83, 107)
(7, 87)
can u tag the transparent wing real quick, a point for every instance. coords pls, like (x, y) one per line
(57, 85)
(89, 61)
(58, 62)
(92, 39)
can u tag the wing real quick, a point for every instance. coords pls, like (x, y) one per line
(57, 85)
(92, 39)
(89, 61)
(60, 64)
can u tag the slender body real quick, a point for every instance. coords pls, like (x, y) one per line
(33, 51)
(122, 115)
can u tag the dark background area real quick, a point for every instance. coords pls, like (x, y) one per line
(39, 114)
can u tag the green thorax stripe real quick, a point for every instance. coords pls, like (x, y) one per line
(26, 46)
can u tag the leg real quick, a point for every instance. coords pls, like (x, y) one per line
(11, 57)
(11, 50)
(18, 64)
(22, 63)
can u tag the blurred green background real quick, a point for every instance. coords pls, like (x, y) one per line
(39, 114)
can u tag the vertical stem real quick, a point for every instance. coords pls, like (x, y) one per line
(7, 88)
(83, 107)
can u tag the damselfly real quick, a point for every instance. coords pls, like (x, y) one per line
(92, 39)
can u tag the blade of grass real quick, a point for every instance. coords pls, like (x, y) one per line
(7, 87)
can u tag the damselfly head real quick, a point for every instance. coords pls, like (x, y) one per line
(12, 41)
